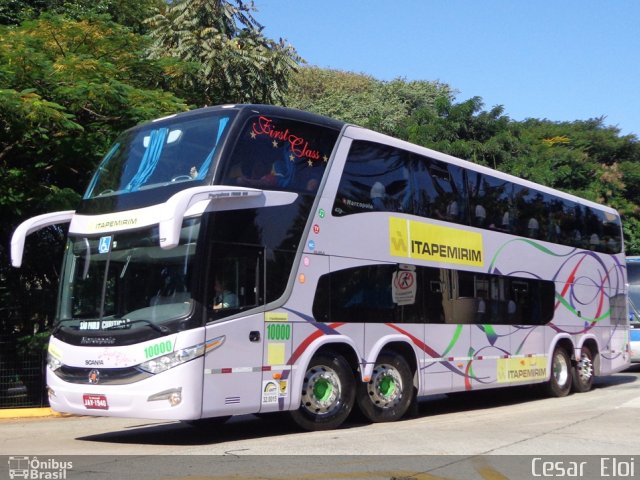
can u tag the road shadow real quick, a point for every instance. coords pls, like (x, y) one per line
(245, 427)
(241, 427)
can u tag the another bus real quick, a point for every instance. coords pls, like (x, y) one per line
(633, 275)
(252, 259)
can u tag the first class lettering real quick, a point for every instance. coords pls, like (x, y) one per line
(299, 146)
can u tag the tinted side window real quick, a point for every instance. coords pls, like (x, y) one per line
(385, 293)
(236, 279)
(277, 229)
(515, 301)
(633, 272)
(491, 202)
(438, 190)
(279, 154)
(382, 178)
(375, 178)
(367, 294)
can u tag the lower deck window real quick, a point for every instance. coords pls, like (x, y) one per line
(391, 293)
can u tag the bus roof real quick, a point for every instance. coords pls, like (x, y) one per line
(283, 112)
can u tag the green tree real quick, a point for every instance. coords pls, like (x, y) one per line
(464, 130)
(361, 99)
(584, 157)
(68, 88)
(124, 12)
(231, 60)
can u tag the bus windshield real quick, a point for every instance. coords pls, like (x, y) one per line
(161, 153)
(115, 281)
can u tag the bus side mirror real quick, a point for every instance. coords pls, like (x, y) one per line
(33, 225)
(196, 200)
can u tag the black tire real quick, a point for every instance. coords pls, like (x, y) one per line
(328, 393)
(583, 371)
(386, 397)
(561, 374)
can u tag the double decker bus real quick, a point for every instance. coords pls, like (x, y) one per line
(253, 259)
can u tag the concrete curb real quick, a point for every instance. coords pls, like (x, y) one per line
(29, 413)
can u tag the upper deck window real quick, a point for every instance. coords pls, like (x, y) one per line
(380, 177)
(280, 154)
(168, 151)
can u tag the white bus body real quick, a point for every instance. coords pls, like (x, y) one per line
(366, 271)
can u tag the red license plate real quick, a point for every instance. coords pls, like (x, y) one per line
(95, 402)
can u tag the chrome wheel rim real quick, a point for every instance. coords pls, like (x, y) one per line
(560, 369)
(321, 390)
(385, 387)
(585, 369)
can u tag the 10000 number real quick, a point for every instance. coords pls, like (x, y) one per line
(279, 331)
(158, 349)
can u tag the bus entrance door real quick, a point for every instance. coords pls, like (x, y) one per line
(233, 363)
(233, 367)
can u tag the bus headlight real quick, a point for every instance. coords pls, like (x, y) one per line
(165, 362)
(53, 363)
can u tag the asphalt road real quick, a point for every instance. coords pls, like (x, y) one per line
(447, 430)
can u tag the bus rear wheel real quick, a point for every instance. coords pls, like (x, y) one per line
(328, 393)
(583, 371)
(561, 374)
(387, 395)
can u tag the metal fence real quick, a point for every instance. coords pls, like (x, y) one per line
(22, 367)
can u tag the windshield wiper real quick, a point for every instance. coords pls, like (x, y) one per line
(124, 269)
(157, 328)
(58, 325)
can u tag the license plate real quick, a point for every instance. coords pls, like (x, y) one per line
(95, 402)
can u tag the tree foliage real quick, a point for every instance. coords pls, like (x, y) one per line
(231, 60)
(361, 99)
(124, 12)
(463, 130)
(68, 88)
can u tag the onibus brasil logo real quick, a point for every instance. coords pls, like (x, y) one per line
(33, 468)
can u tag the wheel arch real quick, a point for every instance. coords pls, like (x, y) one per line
(399, 344)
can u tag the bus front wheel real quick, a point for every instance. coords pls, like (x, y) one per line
(388, 394)
(328, 393)
(561, 373)
(583, 371)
